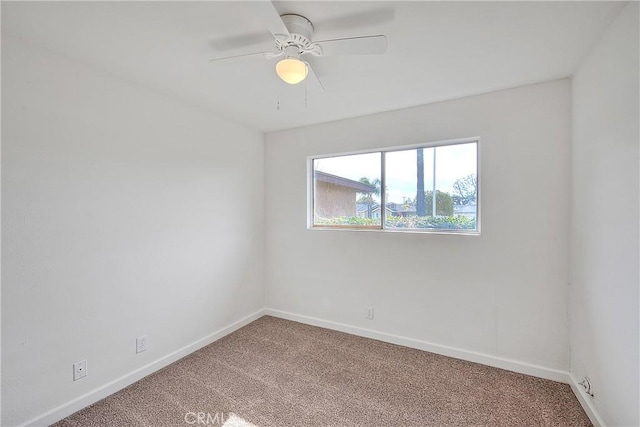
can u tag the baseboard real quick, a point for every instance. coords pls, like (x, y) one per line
(586, 402)
(99, 393)
(471, 356)
(95, 395)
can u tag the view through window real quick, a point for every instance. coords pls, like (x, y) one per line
(434, 187)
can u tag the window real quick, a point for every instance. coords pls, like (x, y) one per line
(432, 187)
(346, 190)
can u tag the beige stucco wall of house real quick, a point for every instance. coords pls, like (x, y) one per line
(333, 200)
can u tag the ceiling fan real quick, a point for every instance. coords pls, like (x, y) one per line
(293, 38)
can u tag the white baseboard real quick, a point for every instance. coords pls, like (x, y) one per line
(95, 395)
(586, 402)
(99, 393)
(471, 356)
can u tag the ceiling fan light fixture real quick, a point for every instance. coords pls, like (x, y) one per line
(292, 70)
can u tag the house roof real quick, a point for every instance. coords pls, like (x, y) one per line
(358, 186)
(464, 209)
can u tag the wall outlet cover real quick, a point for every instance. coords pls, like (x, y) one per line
(369, 313)
(141, 344)
(79, 370)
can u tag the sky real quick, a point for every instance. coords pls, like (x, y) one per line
(452, 162)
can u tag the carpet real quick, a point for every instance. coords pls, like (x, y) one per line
(275, 372)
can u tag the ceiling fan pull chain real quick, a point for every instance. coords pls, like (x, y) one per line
(305, 93)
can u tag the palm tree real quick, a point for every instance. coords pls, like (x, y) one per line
(368, 197)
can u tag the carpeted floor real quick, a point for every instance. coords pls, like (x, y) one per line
(274, 372)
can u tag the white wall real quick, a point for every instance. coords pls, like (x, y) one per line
(123, 213)
(605, 216)
(503, 293)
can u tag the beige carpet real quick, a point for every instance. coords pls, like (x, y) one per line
(274, 372)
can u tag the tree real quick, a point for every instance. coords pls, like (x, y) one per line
(444, 203)
(368, 197)
(465, 190)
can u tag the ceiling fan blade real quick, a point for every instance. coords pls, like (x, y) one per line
(315, 76)
(271, 55)
(365, 45)
(240, 41)
(370, 18)
(268, 55)
(265, 10)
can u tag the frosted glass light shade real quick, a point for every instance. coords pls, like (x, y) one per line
(291, 70)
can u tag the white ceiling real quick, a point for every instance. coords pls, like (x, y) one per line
(437, 50)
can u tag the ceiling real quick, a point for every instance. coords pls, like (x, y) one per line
(436, 51)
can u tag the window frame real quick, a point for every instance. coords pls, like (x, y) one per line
(383, 201)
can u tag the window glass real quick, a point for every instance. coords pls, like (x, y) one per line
(434, 187)
(346, 190)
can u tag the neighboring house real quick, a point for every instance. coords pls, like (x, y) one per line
(468, 211)
(391, 210)
(362, 210)
(336, 196)
(404, 210)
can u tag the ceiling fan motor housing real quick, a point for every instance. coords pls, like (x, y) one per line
(300, 29)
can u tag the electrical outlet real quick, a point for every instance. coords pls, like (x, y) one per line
(368, 314)
(79, 370)
(588, 387)
(141, 344)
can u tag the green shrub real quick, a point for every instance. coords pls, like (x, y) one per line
(424, 222)
(348, 220)
(438, 222)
